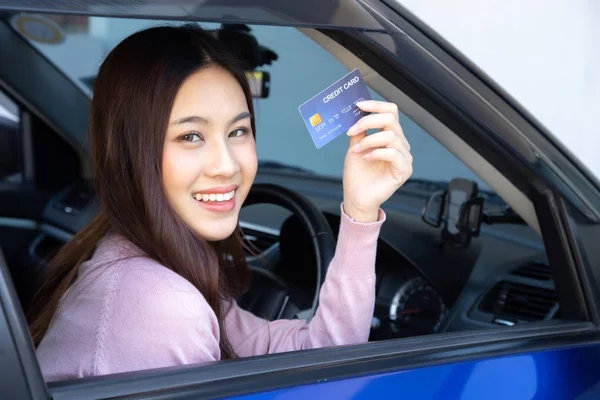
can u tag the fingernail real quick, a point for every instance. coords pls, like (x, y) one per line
(350, 131)
(359, 103)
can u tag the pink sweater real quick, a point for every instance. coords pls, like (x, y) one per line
(127, 312)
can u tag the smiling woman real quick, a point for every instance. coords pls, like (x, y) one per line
(127, 167)
(152, 281)
(209, 153)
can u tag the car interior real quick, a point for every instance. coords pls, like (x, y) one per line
(461, 248)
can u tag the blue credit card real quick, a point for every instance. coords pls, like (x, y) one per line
(333, 111)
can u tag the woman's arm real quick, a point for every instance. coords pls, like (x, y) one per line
(345, 308)
(374, 168)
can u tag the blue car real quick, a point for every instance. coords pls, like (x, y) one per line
(487, 266)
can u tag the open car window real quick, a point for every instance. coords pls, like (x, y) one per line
(282, 138)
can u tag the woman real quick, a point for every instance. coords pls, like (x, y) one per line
(151, 281)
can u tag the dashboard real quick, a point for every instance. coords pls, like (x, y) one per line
(423, 287)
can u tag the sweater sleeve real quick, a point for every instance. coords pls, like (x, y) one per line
(152, 318)
(346, 302)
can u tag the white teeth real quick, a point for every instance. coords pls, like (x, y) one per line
(214, 197)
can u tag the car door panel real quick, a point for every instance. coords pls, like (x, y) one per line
(286, 371)
(21, 376)
(554, 374)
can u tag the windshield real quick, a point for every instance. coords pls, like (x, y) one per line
(282, 138)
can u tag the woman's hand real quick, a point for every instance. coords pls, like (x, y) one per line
(376, 165)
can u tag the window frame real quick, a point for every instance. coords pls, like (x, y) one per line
(286, 369)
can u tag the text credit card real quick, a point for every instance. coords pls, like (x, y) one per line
(333, 111)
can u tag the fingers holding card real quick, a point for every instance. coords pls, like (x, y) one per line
(378, 164)
(375, 165)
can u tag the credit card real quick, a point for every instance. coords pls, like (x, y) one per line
(333, 111)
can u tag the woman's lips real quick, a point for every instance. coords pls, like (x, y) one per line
(220, 206)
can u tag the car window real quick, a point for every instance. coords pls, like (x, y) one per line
(10, 143)
(282, 135)
(302, 69)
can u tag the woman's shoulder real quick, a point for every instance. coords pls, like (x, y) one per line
(131, 281)
(144, 289)
(127, 312)
(153, 317)
(131, 267)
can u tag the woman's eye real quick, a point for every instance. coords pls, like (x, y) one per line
(238, 132)
(191, 137)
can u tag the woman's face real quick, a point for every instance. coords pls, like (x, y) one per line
(209, 157)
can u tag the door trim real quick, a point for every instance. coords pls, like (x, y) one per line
(277, 371)
(18, 223)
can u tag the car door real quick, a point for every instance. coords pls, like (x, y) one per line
(549, 359)
(506, 365)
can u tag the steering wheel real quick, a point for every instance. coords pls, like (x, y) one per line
(269, 296)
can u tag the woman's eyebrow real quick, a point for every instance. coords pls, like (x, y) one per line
(191, 119)
(201, 120)
(240, 116)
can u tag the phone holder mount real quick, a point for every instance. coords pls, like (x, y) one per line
(459, 210)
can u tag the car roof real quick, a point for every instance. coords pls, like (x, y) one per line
(313, 13)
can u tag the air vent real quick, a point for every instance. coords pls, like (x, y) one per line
(256, 242)
(534, 270)
(519, 301)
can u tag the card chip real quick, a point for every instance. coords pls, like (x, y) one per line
(315, 119)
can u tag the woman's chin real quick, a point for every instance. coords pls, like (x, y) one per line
(213, 232)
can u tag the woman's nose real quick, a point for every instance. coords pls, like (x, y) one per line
(221, 161)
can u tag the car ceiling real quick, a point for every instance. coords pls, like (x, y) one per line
(315, 13)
